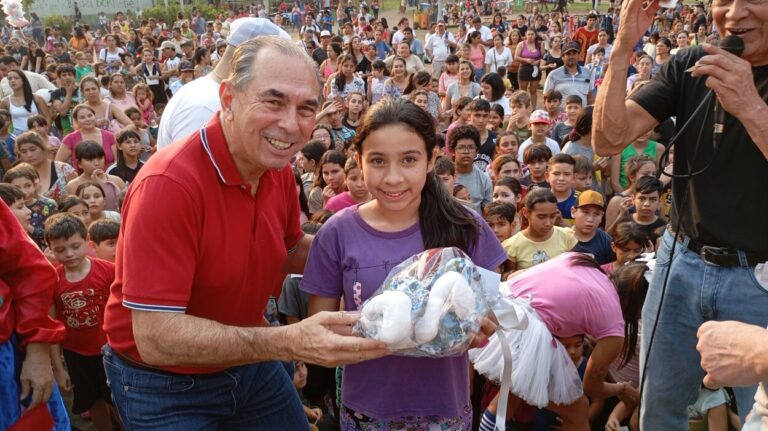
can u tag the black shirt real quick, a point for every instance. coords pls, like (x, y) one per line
(64, 122)
(599, 247)
(726, 205)
(486, 152)
(652, 229)
(124, 172)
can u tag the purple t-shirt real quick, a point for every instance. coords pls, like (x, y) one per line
(348, 255)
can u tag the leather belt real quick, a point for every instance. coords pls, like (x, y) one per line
(136, 364)
(722, 256)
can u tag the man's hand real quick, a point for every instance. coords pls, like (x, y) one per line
(732, 353)
(730, 77)
(326, 339)
(635, 20)
(36, 374)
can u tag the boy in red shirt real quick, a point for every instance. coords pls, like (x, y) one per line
(79, 302)
(586, 36)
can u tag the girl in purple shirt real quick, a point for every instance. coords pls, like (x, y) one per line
(355, 250)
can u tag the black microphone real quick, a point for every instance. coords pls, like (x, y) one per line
(734, 45)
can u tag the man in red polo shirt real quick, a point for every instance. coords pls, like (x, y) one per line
(210, 226)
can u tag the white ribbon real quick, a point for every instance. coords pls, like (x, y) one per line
(511, 315)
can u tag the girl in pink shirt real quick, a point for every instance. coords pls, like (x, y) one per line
(568, 295)
(356, 192)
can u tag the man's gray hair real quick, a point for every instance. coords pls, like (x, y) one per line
(241, 72)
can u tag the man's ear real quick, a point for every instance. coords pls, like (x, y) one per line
(227, 97)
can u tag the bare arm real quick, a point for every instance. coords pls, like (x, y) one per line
(606, 351)
(446, 102)
(518, 52)
(612, 129)
(64, 154)
(167, 339)
(616, 210)
(118, 114)
(118, 181)
(42, 108)
(298, 258)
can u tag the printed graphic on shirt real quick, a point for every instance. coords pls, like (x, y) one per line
(540, 256)
(82, 308)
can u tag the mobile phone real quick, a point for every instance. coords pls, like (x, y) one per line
(668, 3)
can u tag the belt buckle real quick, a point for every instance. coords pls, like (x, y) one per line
(711, 254)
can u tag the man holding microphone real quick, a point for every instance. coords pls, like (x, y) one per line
(717, 236)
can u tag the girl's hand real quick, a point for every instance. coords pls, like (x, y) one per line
(328, 193)
(99, 176)
(612, 424)
(62, 379)
(626, 204)
(629, 395)
(487, 328)
(102, 123)
(314, 414)
(601, 163)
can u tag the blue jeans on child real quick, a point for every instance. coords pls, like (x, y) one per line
(696, 292)
(259, 396)
(11, 359)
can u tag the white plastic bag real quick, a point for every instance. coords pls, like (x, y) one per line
(431, 305)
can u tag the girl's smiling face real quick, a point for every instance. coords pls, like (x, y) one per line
(395, 166)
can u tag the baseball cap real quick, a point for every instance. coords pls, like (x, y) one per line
(441, 22)
(539, 116)
(243, 29)
(590, 197)
(168, 45)
(325, 33)
(186, 66)
(572, 46)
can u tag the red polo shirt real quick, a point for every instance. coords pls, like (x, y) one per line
(193, 240)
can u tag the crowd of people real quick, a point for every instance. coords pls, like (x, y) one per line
(497, 135)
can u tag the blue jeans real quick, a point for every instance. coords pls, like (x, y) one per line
(11, 359)
(696, 292)
(259, 396)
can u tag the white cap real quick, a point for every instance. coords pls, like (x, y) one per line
(243, 29)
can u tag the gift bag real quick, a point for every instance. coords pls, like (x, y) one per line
(431, 305)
